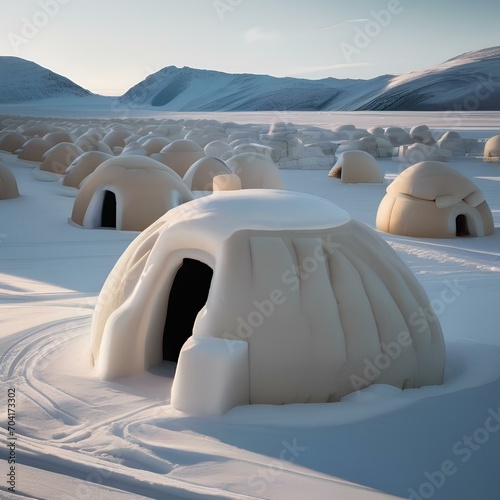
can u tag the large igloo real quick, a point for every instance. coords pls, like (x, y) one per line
(431, 200)
(127, 193)
(288, 308)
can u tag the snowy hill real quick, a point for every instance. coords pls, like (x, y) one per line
(474, 75)
(22, 80)
(188, 89)
(469, 82)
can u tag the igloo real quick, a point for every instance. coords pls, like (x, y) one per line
(92, 142)
(36, 129)
(422, 134)
(153, 145)
(8, 183)
(179, 155)
(255, 171)
(56, 160)
(11, 141)
(200, 175)
(398, 136)
(55, 138)
(356, 167)
(431, 200)
(260, 309)
(83, 166)
(492, 149)
(217, 148)
(418, 152)
(128, 193)
(116, 138)
(452, 141)
(34, 149)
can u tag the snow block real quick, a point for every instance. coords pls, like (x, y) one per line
(212, 376)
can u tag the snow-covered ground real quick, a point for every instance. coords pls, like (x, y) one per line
(79, 438)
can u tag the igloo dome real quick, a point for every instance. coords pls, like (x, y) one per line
(82, 166)
(431, 200)
(179, 155)
(34, 149)
(356, 167)
(200, 175)
(258, 309)
(127, 193)
(492, 149)
(255, 171)
(8, 183)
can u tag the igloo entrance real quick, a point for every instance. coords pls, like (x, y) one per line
(108, 213)
(188, 295)
(462, 225)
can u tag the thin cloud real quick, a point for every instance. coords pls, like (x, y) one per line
(349, 21)
(258, 34)
(318, 69)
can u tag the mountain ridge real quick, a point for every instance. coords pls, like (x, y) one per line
(469, 81)
(22, 80)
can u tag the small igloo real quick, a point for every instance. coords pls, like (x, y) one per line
(398, 136)
(83, 166)
(418, 152)
(431, 200)
(11, 141)
(452, 141)
(217, 148)
(255, 171)
(116, 138)
(492, 150)
(8, 183)
(265, 297)
(200, 175)
(57, 159)
(128, 193)
(179, 155)
(34, 149)
(422, 134)
(153, 145)
(55, 138)
(356, 167)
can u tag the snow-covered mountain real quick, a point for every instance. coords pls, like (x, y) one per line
(188, 89)
(22, 80)
(470, 81)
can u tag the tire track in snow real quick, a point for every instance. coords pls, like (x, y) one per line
(23, 365)
(471, 259)
(34, 352)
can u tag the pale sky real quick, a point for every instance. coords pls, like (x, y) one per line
(107, 46)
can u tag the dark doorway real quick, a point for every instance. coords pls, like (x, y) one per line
(108, 216)
(188, 295)
(462, 226)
